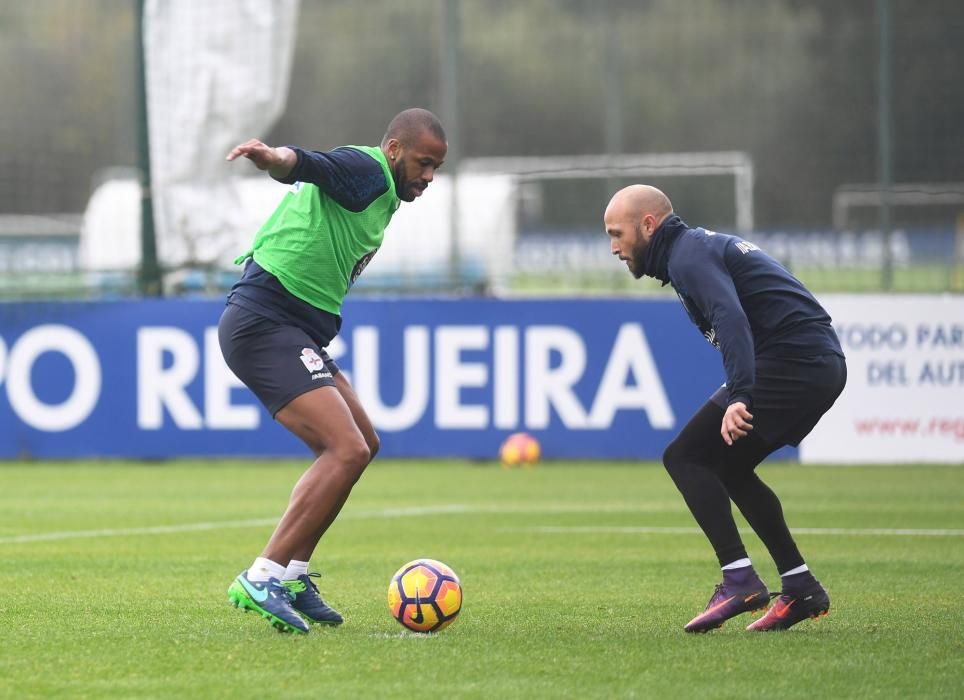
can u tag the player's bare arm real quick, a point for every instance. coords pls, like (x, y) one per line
(279, 162)
(736, 422)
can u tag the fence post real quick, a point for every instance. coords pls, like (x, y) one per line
(149, 274)
(884, 150)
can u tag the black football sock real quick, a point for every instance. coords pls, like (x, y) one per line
(707, 472)
(763, 511)
(797, 584)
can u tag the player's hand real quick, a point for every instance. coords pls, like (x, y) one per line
(279, 161)
(736, 422)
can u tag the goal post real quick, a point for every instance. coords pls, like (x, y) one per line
(738, 164)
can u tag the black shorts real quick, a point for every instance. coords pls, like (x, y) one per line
(277, 362)
(790, 395)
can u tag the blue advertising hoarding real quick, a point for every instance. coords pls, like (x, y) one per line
(589, 378)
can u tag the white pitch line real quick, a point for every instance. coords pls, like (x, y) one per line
(459, 509)
(381, 513)
(133, 531)
(885, 531)
(655, 530)
(220, 525)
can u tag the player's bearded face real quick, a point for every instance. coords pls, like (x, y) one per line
(414, 167)
(404, 185)
(636, 262)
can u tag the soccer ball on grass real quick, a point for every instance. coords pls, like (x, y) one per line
(519, 450)
(425, 595)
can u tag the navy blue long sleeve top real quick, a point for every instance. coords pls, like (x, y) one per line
(743, 301)
(349, 176)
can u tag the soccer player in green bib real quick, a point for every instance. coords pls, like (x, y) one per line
(284, 311)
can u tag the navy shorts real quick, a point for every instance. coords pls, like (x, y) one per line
(277, 362)
(790, 395)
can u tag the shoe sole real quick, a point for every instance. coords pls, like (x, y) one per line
(781, 627)
(326, 623)
(239, 599)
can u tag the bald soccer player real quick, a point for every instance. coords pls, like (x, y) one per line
(286, 309)
(784, 368)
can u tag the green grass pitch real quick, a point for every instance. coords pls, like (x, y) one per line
(578, 579)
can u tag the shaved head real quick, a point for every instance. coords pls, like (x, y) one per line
(632, 217)
(636, 201)
(407, 126)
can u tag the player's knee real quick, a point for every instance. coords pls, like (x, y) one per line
(739, 481)
(309, 434)
(315, 445)
(673, 455)
(374, 444)
(355, 454)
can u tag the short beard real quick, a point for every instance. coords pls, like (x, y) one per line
(638, 254)
(400, 191)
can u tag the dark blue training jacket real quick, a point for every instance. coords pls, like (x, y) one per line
(742, 300)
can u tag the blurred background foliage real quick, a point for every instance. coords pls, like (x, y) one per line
(793, 83)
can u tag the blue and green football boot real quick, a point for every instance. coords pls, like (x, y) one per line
(270, 599)
(308, 602)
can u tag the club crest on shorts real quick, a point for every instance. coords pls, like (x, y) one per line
(312, 360)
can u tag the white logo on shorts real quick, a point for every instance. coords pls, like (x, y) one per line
(311, 360)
